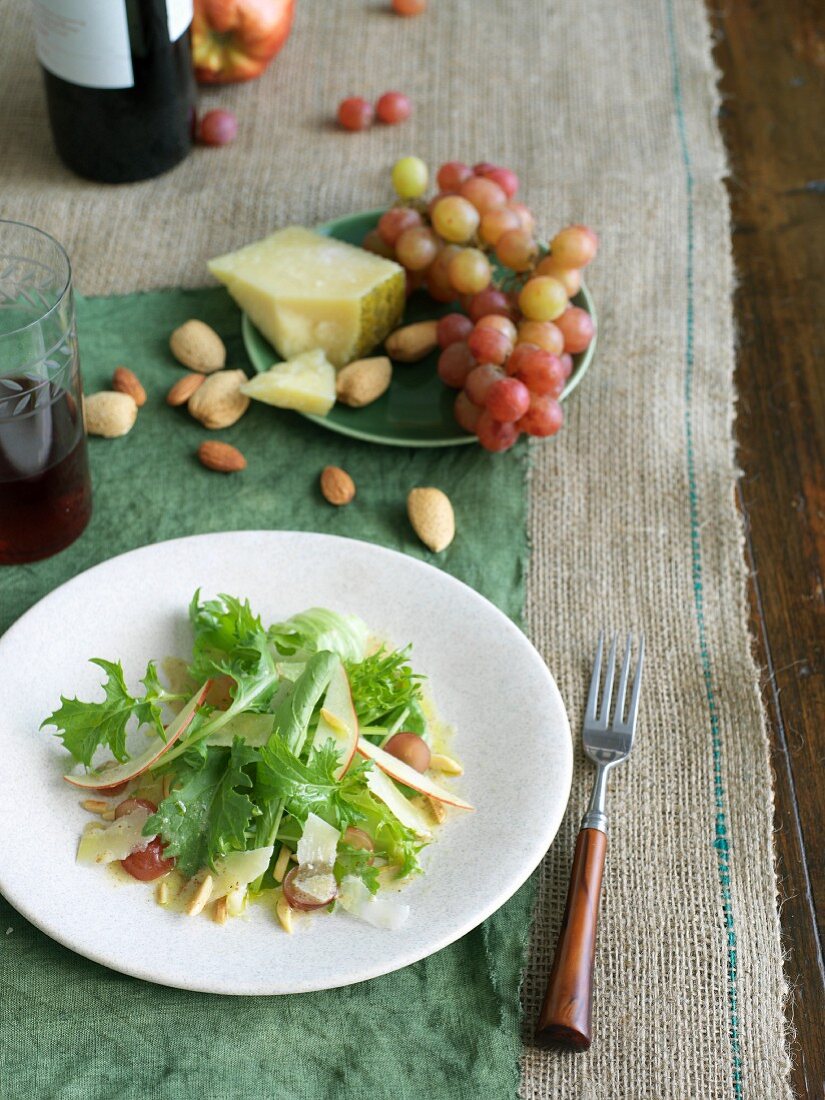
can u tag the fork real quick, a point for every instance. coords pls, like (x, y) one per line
(566, 1013)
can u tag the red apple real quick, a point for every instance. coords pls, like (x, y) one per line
(234, 40)
(111, 778)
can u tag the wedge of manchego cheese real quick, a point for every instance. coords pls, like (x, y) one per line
(305, 383)
(306, 291)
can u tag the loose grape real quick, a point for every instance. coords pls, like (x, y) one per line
(542, 333)
(574, 246)
(466, 413)
(452, 174)
(482, 193)
(501, 324)
(470, 271)
(374, 242)
(507, 400)
(455, 219)
(218, 127)
(489, 301)
(479, 380)
(542, 299)
(544, 417)
(493, 435)
(566, 361)
(409, 7)
(577, 328)
(541, 372)
(489, 345)
(508, 181)
(410, 177)
(452, 328)
(437, 280)
(516, 249)
(497, 221)
(394, 221)
(454, 364)
(411, 748)
(355, 113)
(416, 248)
(524, 215)
(393, 107)
(569, 277)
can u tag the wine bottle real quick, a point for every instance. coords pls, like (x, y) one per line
(119, 84)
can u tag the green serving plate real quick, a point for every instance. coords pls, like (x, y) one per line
(417, 409)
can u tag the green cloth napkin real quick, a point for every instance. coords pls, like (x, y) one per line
(445, 1027)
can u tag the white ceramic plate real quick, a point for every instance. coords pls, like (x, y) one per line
(512, 736)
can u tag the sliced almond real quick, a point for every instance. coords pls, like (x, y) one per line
(200, 897)
(95, 805)
(438, 810)
(284, 913)
(162, 892)
(219, 912)
(440, 762)
(281, 863)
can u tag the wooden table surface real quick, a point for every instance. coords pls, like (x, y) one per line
(772, 58)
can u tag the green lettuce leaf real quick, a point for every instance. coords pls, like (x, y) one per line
(310, 787)
(85, 727)
(319, 629)
(209, 813)
(383, 687)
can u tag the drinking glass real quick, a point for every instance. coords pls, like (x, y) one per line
(45, 490)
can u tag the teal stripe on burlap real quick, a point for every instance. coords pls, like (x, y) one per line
(721, 842)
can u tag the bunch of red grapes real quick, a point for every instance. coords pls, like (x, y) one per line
(510, 353)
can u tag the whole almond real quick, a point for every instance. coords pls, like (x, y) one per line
(432, 518)
(222, 457)
(336, 485)
(198, 347)
(412, 342)
(126, 381)
(362, 382)
(109, 414)
(183, 389)
(218, 402)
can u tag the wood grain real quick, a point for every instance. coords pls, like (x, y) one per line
(772, 58)
(566, 1013)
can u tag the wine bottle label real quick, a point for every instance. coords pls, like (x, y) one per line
(179, 14)
(86, 42)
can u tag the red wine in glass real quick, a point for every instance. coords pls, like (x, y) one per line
(45, 490)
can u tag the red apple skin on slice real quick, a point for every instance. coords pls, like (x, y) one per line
(117, 776)
(397, 769)
(338, 702)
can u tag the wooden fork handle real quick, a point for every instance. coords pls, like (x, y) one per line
(565, 1016)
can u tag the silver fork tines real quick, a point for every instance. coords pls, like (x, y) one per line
(609, 741)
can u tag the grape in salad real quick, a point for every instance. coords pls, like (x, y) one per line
(293, 762)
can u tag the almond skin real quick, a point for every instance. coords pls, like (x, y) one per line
(183, 389)
(412, 342)
(109, 414)
(198, 347)
(222, 457)
(362, 382)
(218, 402)
(432, 517)
(337, 486)
(126, 381)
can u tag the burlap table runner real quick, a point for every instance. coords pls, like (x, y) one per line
(607, 111)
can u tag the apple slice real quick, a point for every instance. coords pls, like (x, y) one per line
(338, 721)
(409, 776)
(122, 773)
(407, 812)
